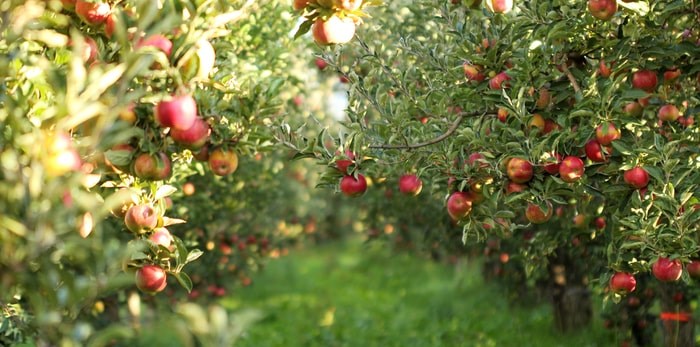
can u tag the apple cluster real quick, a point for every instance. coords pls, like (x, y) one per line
(331, 21)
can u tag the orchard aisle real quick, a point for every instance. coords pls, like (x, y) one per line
(354, 294)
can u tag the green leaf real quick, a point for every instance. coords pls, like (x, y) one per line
(303, 28)
(184, 280)
(194, 255)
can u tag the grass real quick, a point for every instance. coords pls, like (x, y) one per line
(363, 295)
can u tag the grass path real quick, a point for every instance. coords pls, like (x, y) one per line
(363, 295)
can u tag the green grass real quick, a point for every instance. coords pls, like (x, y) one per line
(359, 295)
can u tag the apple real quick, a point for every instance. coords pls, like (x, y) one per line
(140, 219)
(151, 279)
(320, 63)
(477, 158)
(200, 62)
(667, 270)
(188, 188)
(668, 113)
(351, 186)
(693, 269)
(90, 50)
(222, 161)
(299, 5)
(603, 69)
(671, 75)
(92, 13)
(512, 187)
(549, 126)
(152, 167)
(499, 81)
(410, 184)
(333, 31)
(645, 80)
(499, 6)
(459, 205)
(633, 109)
(552, 168)
(605, 134)
(537, 121)
(544, 99)
(686, 121)
(536, 215)
(602, 9)
(571, 169)
(599, 223)
(579, 220)
(157, 41)
(502, 114)
(60, 157)
(519, 170)
(473, 72)
(193, 138)
(594, 151)
(623, 283)
(348, 5)
(177, 111)
(162, 237)
(636, 177)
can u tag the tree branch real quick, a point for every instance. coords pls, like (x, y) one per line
(453, 127)
(571, 78)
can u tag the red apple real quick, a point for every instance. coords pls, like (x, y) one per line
(536, 215)
(671, 75)
(159, 42)
(162, 237)
(222, 161)
(153, 167)
(645, 80)
(668, 113)
(602, 9)
(667, 270)
(513, 187)
(320, 63)
(636, 177)
(473, 72)
(459, 205)
(552, 168)
(633, 109)
(549, 126)
(351, 186)
(693, 269)
(178, 111)
(193, 138)
(477, 158)
(151, 279)
(603, 69)
(410, 184)
(499, 6)
(301, 4)
(605, 134)
(519, 170)
(140, 219)
(333, 31)
(499, 81)
(599, 223)
(594, 151)
(92, 13)
(571, 169)
(502, 114)
(623, 283)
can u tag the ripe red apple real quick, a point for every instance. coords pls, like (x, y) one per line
(667, 270)
(571, 169)
(594, 151)
(473, 72)
(672, 74)
(499, 81)
(544, 98)
(603, 69)
(222, 161)
(499, 6)
(159, 42)
(333, 31)
(668, 113)
(351, 186)
(645, 80)
(623, 283)
(502, 114)
(579, 220)
(519, 170)
(92, 13)
(552, 168)
(549, 126)
(178, 111)
(193, 138)
(633, 109)
(636, 177)
(459, 205)
(686, 121)
(693, 269)
(602, 9)
(110, 25)
(153, 167)
(605, 134)
(477, 158)
(162, 237)
(140, 219)
(320, 63)
(536, 215)
(410, 184)
(599, 223)
(151, 279)
(513, 187)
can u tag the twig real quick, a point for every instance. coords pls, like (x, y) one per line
(453, 127)
(571, 78)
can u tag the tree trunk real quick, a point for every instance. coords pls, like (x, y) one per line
(677, 324)
(571, 299)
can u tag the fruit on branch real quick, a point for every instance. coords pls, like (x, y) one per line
(410, 184)
(92, 13)
(519, 170)
(60, 157)
(536, 215)
(602, 9)
(459, 205)
(153, 167)
(623, 283)
(594, 151)
(301, 4)
(512, 187)
(473, 72)
(693, 268)
(537, 121)
(335, 30)
(668, 113)
(571, 169)
(552, 167)
(603, 69)
(151, 279)
(352, 187)
(222, 161)
(320, 63)
(193, 138)
(671, 75)
(605, 134)
(162, 237)
(667, 270)
(157, 41)
(502, 114)
(177, 111)
(633, 109)
(140, 219)
(599, 223)
(499, 6)
(499, 81)
(636, 177)
(348, 5)
(645, 80)
(544, 99)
